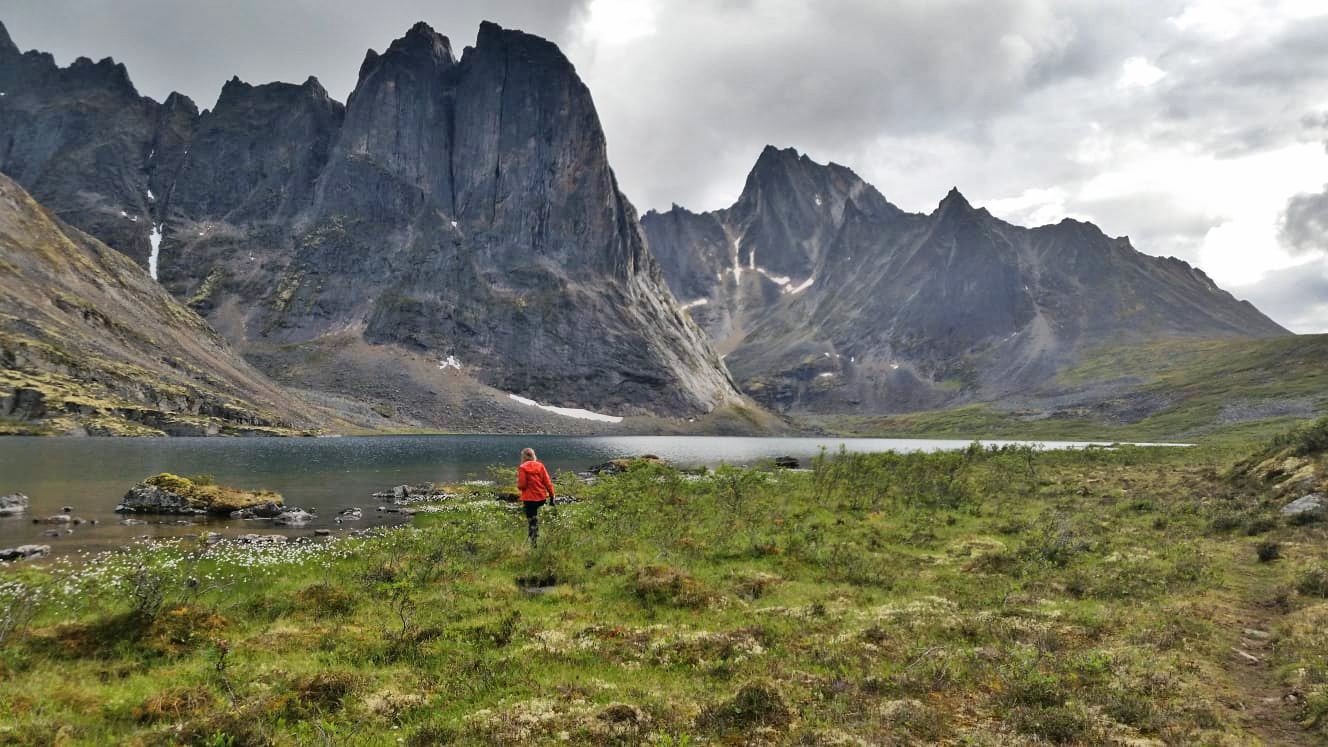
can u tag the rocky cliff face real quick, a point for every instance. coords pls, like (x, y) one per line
(828, 298)
(90, 344)
(462, 210)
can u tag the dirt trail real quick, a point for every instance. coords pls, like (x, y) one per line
(1260, 698)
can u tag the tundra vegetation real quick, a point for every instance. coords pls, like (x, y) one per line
(981, 597)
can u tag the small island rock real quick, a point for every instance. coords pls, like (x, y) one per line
(171, 494)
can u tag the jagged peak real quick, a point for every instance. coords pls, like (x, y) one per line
(421, 38)
(104, 71)
(493, 35)
(177, 101)
(954, 198)
(7, 45)
(419, 45)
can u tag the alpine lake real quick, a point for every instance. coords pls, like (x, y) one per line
(327, 475)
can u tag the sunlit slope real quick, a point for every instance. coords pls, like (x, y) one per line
(1167, 389)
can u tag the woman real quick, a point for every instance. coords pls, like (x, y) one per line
(534, 483)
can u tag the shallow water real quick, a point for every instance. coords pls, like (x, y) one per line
(325, 475)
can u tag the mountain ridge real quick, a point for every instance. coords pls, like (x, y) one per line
(858, 305)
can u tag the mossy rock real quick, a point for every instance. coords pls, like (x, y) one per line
(172, 494)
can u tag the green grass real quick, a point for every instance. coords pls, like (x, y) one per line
(1229, 390)
(976, 597)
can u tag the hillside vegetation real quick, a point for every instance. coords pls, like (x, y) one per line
(1165, 390)
(1131, 596)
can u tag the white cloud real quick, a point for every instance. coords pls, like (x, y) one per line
(1138, 72)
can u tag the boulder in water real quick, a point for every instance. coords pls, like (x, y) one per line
(618, 466)
(267, 510)
(24, 552)
(786, 462)
(13, 504)
(171, 494)
(293, 517)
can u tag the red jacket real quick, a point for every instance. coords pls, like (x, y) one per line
(533, 480)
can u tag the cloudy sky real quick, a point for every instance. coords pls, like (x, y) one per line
(1199, 128)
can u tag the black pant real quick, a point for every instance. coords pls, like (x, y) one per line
(532, 518)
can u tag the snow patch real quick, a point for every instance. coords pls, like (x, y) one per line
(894, 366)
(825, 375)
(694, 304)
(454, 224)
(151, 196)
(776, 279)
(570, 412)
(155, 239)
(123, 214)
(818, 200)
(449, 362)
(800, 287)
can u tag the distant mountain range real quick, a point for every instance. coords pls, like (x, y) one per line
(827, 298)
(451, 245)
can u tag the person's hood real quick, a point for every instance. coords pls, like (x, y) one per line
(531, 466)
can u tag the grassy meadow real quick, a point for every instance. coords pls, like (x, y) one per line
(1131, 596)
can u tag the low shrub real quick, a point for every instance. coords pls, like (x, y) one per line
(756, 704)
(1313, 582)
(661, 584)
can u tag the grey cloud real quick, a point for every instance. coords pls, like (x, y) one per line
(716, 83)
(1157, 223)
(1296, 297)
(1304, 225)
(194, 47)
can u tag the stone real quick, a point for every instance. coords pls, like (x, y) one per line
(268, 510)
(322, 532)
(131, 522)
(786, 462)
(58, 519)
(293, 517)
(618, 466)
(150, 499)
(13, 504)
(174, 495)
(1306, 504)
(349, 514)
(211, 538)
(52, 533)
(262, 539)
(24, 552)
(67, 509)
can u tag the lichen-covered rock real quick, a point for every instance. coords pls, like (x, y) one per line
(171, 494)
(13, 504)
(1306, 504)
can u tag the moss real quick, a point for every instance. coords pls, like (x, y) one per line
(217, 499)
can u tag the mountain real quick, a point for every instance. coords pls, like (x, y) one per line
(89, 343)
(456, 217)
(827, 298)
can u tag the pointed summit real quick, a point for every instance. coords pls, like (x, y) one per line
(422, 41)
(954, 200)
(7, 46)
